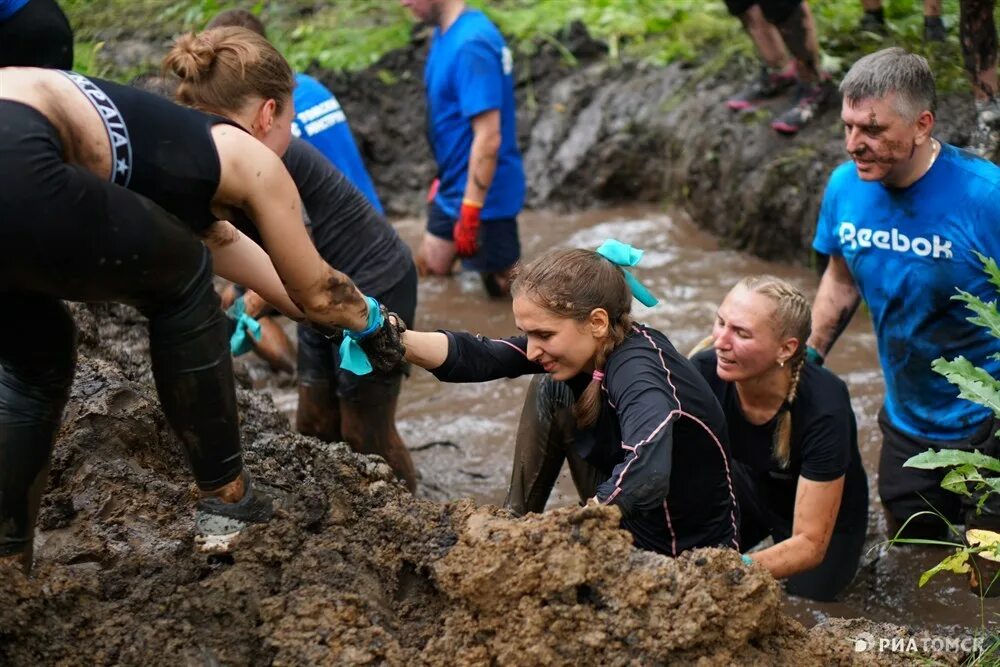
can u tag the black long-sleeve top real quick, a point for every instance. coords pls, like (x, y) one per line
(660, 437)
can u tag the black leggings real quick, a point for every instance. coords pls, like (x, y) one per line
(38, 35)
(66, 234)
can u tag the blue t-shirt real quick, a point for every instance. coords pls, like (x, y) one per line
(10, 7)
(320, 121)
(470, 71)
(908, 249)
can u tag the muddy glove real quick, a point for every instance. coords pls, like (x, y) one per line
(466, 231)
(385, 347)
(378, 346)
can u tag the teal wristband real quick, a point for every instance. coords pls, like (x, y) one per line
(746, 559)
(374, 320)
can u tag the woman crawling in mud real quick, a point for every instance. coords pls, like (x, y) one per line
(796, 464)
(645, 433)
(77, 154)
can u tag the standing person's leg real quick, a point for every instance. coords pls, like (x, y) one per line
(368, 403)
(499, 251)
(978, 36)
(436, 255)
(873, 18)
(544, 438)
(777, 71)
(38, 35)
(37, 359)
(934, 30)
(318, 412)
(798, 29)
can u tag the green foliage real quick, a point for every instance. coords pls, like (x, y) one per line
(947, 458)
(957, 563)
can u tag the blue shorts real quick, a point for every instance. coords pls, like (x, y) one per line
(499, 245)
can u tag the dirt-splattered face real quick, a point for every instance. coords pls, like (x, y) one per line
(746, 343)
(880, 141)
(563, 346)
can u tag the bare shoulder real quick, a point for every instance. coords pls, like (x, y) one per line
(246, 165)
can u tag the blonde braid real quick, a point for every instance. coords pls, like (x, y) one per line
(793, 317)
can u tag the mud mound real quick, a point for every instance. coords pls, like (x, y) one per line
(354, 570)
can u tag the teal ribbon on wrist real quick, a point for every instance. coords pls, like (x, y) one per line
(814, 355)
(625, 255)
(352, 357)
(746, 559)
(247, 329)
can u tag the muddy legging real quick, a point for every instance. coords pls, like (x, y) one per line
(978, 34)
(65, 234)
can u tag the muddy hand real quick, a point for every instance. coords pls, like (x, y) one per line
(385, 348)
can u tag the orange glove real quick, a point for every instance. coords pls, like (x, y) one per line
(466, 232)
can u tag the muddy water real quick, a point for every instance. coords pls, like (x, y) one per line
(462, 435)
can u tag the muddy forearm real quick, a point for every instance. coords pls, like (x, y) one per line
(427, 349)
(483, 155)
(335, 302)
(836, 302)
(237, 258)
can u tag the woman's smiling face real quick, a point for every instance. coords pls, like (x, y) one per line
(746, 343)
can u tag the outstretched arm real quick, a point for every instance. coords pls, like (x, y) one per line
(835, 304)
(254, 180)
(237, 258)
(427, 349)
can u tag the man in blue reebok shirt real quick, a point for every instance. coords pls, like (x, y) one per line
(901, 224)
(319, 119)
(469, 79)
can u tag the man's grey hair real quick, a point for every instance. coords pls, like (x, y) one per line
(892, 71)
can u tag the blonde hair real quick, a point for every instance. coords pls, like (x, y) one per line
(220, 69)
(571, 284)
(792, 319)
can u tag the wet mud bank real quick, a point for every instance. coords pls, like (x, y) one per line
(598, 132)
(355, 570)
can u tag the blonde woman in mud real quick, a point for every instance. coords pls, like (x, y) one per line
(796, 464)
(76, 154)
(640, 420)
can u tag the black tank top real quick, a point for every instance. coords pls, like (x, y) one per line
(161, 150)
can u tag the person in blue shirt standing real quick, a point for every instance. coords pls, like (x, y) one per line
(469, 79)
(319, 119)
(901, 224)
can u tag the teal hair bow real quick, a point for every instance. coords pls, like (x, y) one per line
(625, 255)
(247, 329)
(352, 357)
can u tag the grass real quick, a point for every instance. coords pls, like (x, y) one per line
(353, 34)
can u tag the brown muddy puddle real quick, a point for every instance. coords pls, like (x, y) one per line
(685, 269)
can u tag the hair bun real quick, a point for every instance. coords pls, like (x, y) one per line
(192, 56)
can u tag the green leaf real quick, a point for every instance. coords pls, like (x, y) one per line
(957, 563)
(987, 315)
(947, 458)
(990, 268)
(973, 382)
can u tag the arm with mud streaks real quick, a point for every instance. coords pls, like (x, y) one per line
(237, 258)
(254, 180)
(454, 356)
(816, 507)
(836, 302)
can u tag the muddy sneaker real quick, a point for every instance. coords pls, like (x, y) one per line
(934, 30)
(809, 100)
(986, 137)
(218, 523)
(769, 83)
